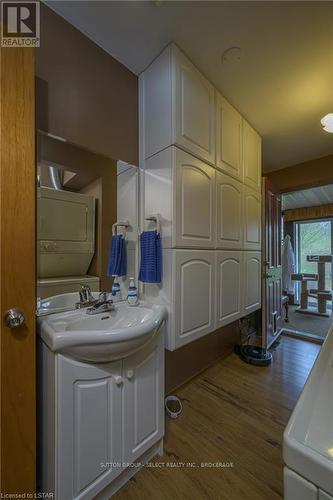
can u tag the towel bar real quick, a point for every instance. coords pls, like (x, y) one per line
(157, 219)
(124, 224)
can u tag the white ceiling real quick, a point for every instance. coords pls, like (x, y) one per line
(308, 197)
(284, 82)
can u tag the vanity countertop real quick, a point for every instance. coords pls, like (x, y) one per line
(308, 437)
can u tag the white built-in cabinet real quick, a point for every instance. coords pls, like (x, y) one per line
(251, 219)
(98, 417)
(228, 138)
(193, 295)
(229, 212)
(297, 487)
(181, 188)
(251, 157)
(229, 286)
(178, 107)
(201, 164)
(251, 281)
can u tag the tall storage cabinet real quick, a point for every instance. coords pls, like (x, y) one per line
(177, 107)
(201, 165)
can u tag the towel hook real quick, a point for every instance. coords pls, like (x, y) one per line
(124, 224)
(157, 219)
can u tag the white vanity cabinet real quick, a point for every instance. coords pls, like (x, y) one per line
(177, 107)
(251, 157)
(181, 188)
(229, 212)
(251, 219)
(143, 400)
(228, 138)
(97, 418)
(229, 286)
(251, 282)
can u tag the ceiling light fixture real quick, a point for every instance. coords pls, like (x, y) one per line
(327, 122)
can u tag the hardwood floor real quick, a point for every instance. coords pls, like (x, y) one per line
(233, 413)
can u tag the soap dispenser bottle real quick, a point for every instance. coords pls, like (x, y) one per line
(115, 291)
(132, 296)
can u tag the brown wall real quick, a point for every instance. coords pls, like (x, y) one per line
(304, 175)
(184, 363)
(84, 94)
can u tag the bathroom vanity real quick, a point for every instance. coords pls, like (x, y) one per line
(101, 397)
(308, 438)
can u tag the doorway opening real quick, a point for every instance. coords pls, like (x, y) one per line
(310, 284)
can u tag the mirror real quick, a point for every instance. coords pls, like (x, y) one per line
(81, 196)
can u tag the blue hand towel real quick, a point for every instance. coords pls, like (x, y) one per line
(118, 258)
(151, 257)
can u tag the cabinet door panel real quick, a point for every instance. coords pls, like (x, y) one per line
(252, 281)
(194, 288)
(229, 216)
(298, 488)
(252, 219)
(195, 128)
(195, 202)
(87, 438)
(143, 403)
(228, 138)
(229, 272)
(251, 157)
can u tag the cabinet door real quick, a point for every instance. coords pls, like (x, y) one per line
(251, 157)
(194, 109)
(195, 202)
(228, 138)
(252, 281)
(193, 295)
(252, 219)
(229, 214)
(298, 488)
(143, 399)
(88, 427)
(229, 272)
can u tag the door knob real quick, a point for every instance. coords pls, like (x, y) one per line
(14, 317)
(118, 379)
(130, 374)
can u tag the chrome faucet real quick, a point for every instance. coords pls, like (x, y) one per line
(102, 304)
(86, 298)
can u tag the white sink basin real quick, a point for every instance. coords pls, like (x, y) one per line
(308, 438)
(60, 303)
(102, 337)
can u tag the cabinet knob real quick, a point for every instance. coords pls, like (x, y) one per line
(118, 379)
(130, 374)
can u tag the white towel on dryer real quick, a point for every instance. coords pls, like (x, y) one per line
(288, 265)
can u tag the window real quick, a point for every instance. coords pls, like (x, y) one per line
(313, 237)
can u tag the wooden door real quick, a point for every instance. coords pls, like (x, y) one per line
(194, 185)
(17, 247)
(195, 109)
(229, 212)
(229, 286)
(143, 399)
(272, 280)
(251, 157)
(88, 427)
(228, 138)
